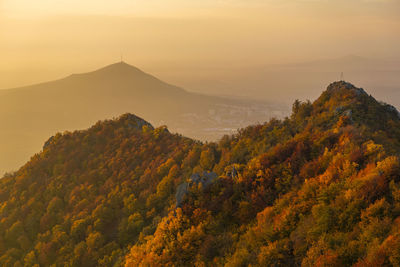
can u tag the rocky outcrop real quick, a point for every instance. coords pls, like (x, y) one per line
(338, 86)
(48, 142)
(133, 121)
(205, 179)
(181, 191)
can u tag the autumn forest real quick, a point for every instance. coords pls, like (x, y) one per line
(318, 188)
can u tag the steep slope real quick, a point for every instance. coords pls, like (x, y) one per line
(29, 115)
(90, 194)
(320, 188)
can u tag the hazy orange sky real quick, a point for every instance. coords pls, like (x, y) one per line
(47, 39)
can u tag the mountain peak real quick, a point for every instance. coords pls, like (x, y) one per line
(344, 99)
(117, 70)
(341, 93)
(344, 86)
(121, 64)
(120, 67)
(133, 121)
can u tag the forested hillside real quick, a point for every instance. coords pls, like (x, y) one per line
(90, 194)
(321, 187)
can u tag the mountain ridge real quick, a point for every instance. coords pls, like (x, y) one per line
(320, 187)
(322, 192)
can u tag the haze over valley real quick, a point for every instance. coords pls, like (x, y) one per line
(226, 133)
(254, 57)
(275, 50)
(30, 115)
(220, 100)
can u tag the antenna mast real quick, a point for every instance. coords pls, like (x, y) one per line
(341, 76)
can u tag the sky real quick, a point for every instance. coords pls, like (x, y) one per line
(48, 39)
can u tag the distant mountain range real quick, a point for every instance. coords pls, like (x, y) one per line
(28, 115)
(303, 80)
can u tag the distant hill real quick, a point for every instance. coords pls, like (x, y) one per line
(319, 188)
(29, 115)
